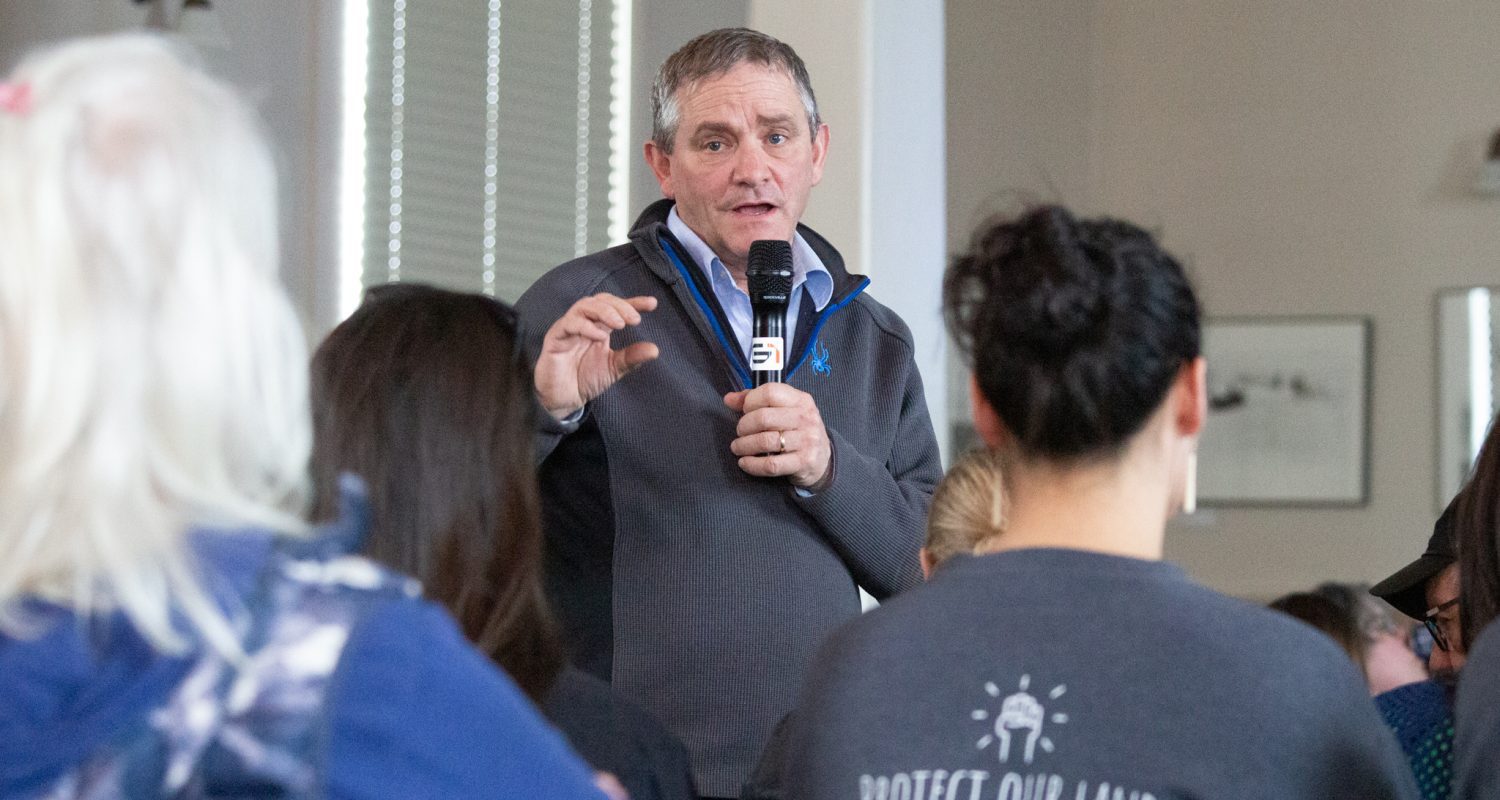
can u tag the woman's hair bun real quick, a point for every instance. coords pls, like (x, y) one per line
(1061, 300)
(1076, 327)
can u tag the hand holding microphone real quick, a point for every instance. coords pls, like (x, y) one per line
(781, 432)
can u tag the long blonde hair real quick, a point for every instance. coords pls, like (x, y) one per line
(969, 505)
(152, 370)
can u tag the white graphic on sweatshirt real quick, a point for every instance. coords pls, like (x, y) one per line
(1019, 713)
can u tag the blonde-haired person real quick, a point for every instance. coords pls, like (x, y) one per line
(968, 507)
(167, 626)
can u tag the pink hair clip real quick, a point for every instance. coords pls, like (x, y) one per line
(15, 97)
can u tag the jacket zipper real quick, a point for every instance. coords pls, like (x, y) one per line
(740, 372)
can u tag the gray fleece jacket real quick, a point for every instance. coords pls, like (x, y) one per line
(696, 589)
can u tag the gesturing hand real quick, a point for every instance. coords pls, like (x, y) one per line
(576, 364)
(781, 433)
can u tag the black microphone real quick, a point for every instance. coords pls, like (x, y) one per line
(769, 276)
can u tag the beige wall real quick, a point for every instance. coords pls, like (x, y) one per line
(283, 55)
(657, 30)
(831, 37)
(878, 71)
(1018, 118)
(1305, 158)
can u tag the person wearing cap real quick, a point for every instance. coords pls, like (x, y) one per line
(1476, 535)
(1421, 714)
(1427, 591)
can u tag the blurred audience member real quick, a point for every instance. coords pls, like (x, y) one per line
(1387, 657)
(1327, 616)
(1427, 590)
(1476, 529)
(968, 507)
(167, 629)
(1066, 660)
(1418, 711)
(1365, 627)
(422, 392)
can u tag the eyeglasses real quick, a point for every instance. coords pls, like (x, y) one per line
(1430, 620)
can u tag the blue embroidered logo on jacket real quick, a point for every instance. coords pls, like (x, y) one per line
(820, 363)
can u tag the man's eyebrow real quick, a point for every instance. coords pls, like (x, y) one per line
(779, 120)
(705, 128)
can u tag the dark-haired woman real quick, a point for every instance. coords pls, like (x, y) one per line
(1066, 659)
(421, 392)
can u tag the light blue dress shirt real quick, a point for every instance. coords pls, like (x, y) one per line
(807, 269)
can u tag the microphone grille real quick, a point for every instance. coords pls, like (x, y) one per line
(769, 271)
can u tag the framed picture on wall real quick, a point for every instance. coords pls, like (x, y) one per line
(1288, 412)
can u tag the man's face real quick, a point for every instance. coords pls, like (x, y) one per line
(1442, 588)
(743, 161)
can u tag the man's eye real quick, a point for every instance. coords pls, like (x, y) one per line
(713, 147)
(777, 138)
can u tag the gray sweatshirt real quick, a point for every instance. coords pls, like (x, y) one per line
(1065, 675)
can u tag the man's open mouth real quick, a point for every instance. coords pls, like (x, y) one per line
(754, 209)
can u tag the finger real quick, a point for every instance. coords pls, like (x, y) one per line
(629, 359)
(769, 419)
(775, 395)
(642, 302)
(610, 786)
(606, 310)
(736, 400)
(579, 326)
(764, 443)
(769, 466)
(629, 309)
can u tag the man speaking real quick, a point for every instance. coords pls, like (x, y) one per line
(704, 536)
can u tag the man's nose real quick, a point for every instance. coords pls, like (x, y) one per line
(752, 164)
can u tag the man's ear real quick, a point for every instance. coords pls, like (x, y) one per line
(820, 152)
(660, 163)
(986, 422)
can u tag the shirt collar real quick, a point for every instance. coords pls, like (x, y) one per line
(806, 266)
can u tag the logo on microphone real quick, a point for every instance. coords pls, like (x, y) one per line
(767, 353)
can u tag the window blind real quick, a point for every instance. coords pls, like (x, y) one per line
(488, 139)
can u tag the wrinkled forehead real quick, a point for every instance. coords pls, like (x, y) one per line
(747, 75)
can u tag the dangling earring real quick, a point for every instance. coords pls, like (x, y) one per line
(1190, 490)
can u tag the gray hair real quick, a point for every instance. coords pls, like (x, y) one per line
(155, 373)
(715, 53)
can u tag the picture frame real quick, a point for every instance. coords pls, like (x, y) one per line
(1288, 416)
